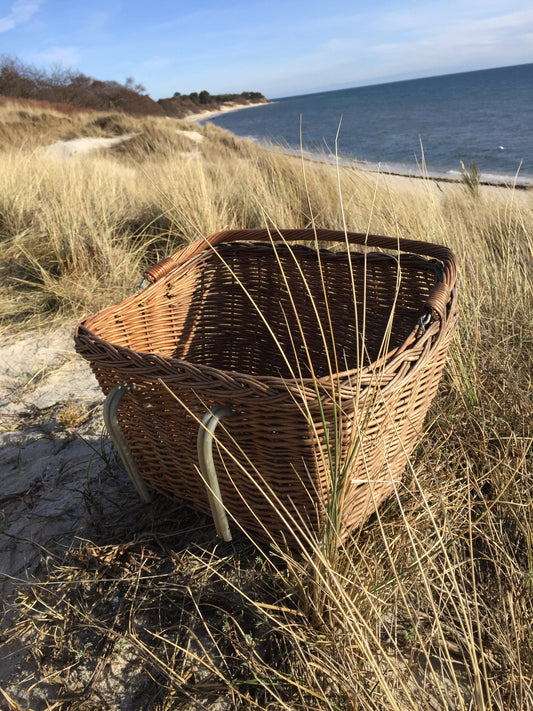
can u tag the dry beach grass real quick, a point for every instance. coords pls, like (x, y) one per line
(130, 606)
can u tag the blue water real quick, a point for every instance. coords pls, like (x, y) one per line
(484, 117)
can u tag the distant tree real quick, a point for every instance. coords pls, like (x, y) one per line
(252, 95)
(58, 76)
(205, 97)
(81, 80)
(16, 80)
(193, 96)
(131, 84)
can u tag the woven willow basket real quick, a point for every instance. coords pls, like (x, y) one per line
(326, 360)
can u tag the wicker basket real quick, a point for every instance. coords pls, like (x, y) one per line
(229, 321)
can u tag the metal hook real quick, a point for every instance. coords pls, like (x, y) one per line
(207, 467)
(111, 404)
(424, 320)
(140, 285)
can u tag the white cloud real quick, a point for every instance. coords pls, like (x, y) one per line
(21, 11)
(156, 63)
(516, 21)
(63, 56)
(462, 43)
(418, 48)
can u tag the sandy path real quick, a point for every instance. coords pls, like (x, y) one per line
(43, 460)
(59, 477)
(82, 146)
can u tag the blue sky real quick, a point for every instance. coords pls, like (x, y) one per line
(279, 47)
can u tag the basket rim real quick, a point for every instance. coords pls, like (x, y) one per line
(437, 300)
(167, 370)
(162, 368)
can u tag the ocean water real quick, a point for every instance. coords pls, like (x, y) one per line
(484, 117)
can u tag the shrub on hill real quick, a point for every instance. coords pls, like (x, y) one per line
(181, 105)
(81, 91)
(63, 86)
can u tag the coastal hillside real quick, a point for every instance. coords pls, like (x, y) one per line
(64, 87)
(107, 602)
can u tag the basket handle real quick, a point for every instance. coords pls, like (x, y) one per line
(438, 298)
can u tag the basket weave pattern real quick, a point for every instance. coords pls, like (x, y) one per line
(229, 320)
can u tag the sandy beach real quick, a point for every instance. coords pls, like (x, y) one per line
(204, 115)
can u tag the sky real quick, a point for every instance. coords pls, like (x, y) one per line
(278, 47)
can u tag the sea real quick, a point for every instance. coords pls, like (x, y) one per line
(437, 126)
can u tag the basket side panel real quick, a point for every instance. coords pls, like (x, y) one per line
(393, 425)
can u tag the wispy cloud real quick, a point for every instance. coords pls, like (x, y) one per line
(21, 11)
(462, 42)
(156, 63)
(63, 56)
(407, 43)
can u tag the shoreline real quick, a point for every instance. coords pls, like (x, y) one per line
(502, 181)
(494, 181)
(449, 180)
(227, 108)
(395, 173)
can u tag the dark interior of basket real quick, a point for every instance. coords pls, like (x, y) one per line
(252, 309)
